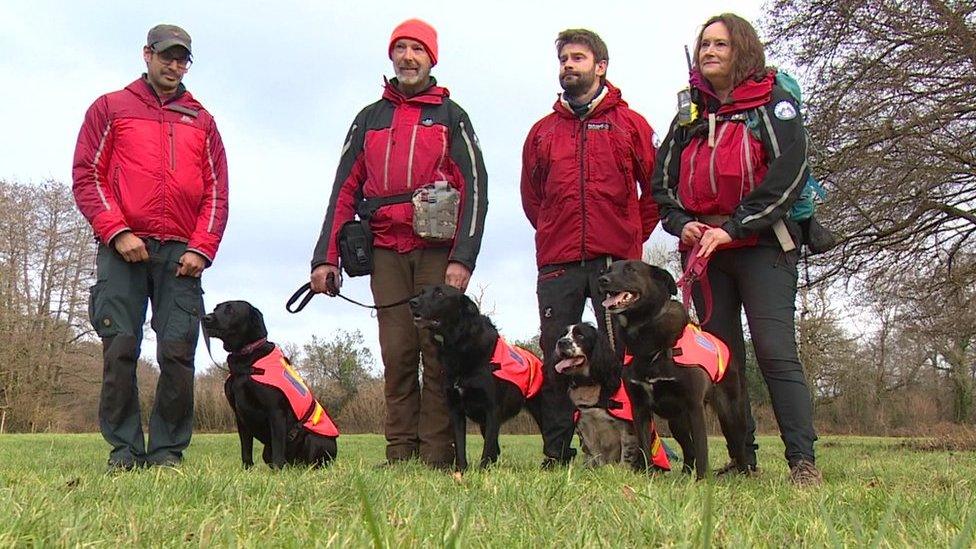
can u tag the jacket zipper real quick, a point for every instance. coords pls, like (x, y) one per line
(582, 181)
(172, 148)
(413, 141)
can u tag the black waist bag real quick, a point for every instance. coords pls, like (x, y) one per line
(356, 248)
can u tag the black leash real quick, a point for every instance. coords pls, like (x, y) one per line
(306, 291)
(206, 338)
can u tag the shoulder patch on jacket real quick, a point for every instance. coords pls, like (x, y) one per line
(784, 110)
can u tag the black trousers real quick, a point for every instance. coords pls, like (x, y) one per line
(117, 309)
(562, 291)
(762, 280)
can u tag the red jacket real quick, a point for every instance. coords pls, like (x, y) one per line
(158, 170)
(397, 145)
(580, 180)
(753, 171)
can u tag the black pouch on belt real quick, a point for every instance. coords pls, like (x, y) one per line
(356, 248)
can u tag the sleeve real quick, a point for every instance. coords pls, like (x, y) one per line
(644, 161)
(785, 137)
(664, 182)
(212, 217)
(91, 189)
(466, 154)
(349, 178)
(531, 186)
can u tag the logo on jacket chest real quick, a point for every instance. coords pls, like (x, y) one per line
(599, 126)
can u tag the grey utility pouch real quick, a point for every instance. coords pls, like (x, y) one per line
(435, 211)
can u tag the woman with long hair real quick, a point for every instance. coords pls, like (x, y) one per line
(732, 165)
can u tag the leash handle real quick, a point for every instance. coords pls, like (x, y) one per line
(306, 291)
(695, 271)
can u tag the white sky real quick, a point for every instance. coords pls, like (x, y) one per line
(284, 81)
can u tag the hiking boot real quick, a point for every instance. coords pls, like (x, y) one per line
(118, 467)
(805, 473)
(731, 468)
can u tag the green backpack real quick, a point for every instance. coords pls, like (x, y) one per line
(804, 206)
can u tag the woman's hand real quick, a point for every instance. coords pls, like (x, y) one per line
(713, 238)
(692, 232)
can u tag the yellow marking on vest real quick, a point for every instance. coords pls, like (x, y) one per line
(317, 414)
(294, 374)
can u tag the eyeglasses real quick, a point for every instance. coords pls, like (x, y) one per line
(167, 56)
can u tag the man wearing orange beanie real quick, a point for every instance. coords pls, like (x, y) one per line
(413, 136)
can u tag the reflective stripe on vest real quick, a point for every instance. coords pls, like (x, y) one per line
(518, 366)
(276, 371)
(703, 350)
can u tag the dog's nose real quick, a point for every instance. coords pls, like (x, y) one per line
(564, 343)
(207, 319)
(603, 281)
(414, 303)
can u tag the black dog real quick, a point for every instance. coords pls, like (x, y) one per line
(640, 296)
(584, 354)
(466, 342)
(264, 411)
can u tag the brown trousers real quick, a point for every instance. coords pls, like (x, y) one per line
(417, 422)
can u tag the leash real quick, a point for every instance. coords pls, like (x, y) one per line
(206, 338)
(306, 294)
(695, 271)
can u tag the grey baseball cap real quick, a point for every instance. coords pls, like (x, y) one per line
(162, 37)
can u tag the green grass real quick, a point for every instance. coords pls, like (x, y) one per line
(54, 492)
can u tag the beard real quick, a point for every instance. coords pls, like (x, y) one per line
(412, 78)
(575, 87)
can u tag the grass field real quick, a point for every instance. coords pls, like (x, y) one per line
(54, 492)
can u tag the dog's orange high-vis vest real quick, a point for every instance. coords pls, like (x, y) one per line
(274, 370)
(518, 366)
(703, 350)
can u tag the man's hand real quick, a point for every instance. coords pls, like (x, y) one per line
(713, 238)
(458, 275)
(326, 279)
(191, 264)
(130, 247)
(692, 232)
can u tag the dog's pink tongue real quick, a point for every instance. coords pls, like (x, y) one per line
(612, 300)
(568, 363)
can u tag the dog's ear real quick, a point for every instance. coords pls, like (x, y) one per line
(468, 307)
(665, 278)
(255, 324)
(602, 359)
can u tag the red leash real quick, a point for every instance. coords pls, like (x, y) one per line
(695, 271)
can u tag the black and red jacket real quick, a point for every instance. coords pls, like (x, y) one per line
(155, 168)
(754, 171)
(580, 178)
(397, 145)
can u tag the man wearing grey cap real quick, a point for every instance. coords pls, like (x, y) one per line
(150, 175)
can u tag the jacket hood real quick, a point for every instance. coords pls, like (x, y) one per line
(433, 95)
(611, 99)
(749, 94)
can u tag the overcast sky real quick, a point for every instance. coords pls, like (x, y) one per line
(284, 81)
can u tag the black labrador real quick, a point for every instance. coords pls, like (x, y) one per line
(584, 354)
(640, 295)
(465, 341)
(262, 411)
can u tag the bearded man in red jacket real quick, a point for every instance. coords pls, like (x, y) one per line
(150, 175)
(582, 166)
(414, 136)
